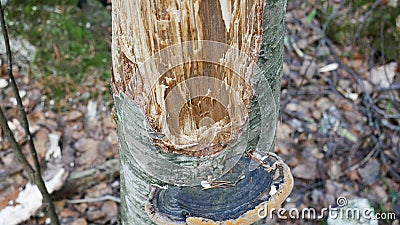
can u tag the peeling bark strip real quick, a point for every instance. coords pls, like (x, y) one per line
(191, 102)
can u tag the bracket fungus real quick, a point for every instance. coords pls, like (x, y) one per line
(241, 196)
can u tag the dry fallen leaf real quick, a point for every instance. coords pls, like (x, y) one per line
(89, 151)
(370, 172)
(79, 221)
(306, 171)
(383, 75)
(111, 210)
(8, 196)
(72, 116)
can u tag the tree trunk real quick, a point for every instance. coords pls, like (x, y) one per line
(196, 88)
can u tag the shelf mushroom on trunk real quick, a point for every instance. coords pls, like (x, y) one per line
(238, 197)
(196, 92)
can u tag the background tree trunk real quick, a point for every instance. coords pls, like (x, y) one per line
(167, 139)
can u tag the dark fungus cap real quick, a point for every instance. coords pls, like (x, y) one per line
(238, 197)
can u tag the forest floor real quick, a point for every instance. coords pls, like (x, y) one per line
(338, 128)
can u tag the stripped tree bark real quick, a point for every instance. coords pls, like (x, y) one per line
(196, 88)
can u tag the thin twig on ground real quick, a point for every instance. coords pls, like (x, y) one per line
(98, 199)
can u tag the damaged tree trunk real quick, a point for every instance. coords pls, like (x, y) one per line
(196, 88)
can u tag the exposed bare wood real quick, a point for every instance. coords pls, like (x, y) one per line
(190, 100)
(161, 24)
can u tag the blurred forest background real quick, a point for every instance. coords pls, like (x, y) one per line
(340, 105)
